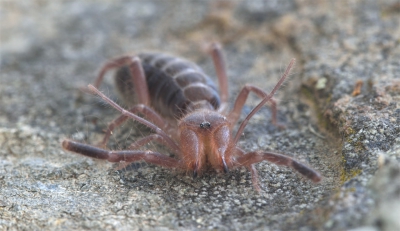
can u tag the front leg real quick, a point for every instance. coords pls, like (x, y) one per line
(139, 119)
(266, 99)
(153, 137)
(241, 99)
(147, 112)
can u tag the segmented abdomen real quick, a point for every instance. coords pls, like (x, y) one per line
(176, 86)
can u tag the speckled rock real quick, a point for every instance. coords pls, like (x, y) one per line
(340, 108)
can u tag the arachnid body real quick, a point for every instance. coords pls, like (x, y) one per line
(180, 104)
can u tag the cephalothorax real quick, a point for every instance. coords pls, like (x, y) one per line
(180, 104)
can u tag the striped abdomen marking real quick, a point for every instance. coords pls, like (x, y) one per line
(175, 85)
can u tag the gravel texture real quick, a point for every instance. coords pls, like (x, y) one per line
(340, 108)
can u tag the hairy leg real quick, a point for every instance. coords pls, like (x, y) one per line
(241, 99)
(220, 67)
(148, 113)
(123, 155)
(232, 163)
(137, 74)
(265, 100)
(129, 114)
(153, 137)
(279, 159)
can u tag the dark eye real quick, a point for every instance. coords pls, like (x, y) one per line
(205, 125)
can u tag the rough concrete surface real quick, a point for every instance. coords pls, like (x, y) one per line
(340, 108)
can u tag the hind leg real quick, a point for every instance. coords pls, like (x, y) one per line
(136, 72)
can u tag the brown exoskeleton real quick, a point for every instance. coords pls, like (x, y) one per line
(202, 136)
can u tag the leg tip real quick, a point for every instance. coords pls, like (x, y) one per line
(316, 178)
(136, 60)
(65, 144)
(215, 46)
